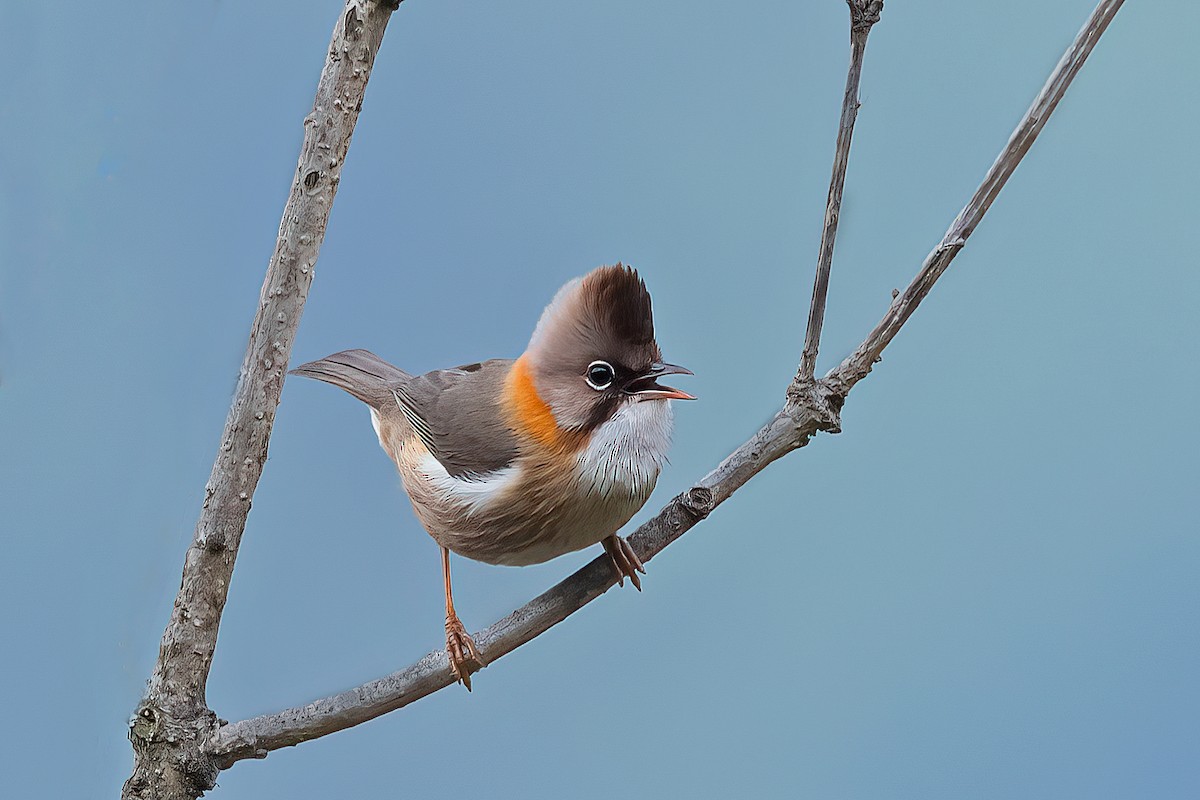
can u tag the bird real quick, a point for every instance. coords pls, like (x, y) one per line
(519, 461)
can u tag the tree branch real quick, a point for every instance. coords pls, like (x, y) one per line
(859, 364)
(173, 717)
(811, 406)
(256, 737)
(863, 15)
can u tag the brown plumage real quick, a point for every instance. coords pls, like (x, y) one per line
(519, 461)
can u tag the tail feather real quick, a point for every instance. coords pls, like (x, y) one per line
(359, 372)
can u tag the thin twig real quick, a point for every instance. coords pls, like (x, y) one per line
(856, 367)
(173, 717)
(863, 15)
(812, 406)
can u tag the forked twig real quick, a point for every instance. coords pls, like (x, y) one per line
(856, 367)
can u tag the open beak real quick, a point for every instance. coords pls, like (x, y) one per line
(647, 386)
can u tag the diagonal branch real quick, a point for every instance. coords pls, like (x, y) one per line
(173, 717)
(256, 737)
(811, 406)
(863, 15)
(858, 365)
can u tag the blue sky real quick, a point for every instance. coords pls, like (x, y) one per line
(985, 587)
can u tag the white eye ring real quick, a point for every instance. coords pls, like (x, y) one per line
(600, 383)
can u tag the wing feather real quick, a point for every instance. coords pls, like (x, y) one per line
(457, 415)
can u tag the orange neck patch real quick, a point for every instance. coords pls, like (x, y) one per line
(531, 414)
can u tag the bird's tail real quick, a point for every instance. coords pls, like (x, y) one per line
(360, 372)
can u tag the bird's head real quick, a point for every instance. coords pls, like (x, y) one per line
(594, 353)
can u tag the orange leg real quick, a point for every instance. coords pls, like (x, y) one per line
(464, 655)
(625, 561)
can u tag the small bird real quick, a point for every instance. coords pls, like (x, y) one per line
(518, 461)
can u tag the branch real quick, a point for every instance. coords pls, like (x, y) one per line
(173, 716)
(859, 364)
(255, 738)
(811, 406)
(863, 15)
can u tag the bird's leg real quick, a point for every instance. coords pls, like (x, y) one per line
(464, 655)
(625, 561)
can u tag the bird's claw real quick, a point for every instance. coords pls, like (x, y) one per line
(625, 561)
(463, 654)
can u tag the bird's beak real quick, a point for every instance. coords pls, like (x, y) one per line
(647, 387)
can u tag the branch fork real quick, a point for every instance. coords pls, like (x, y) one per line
(816, 402)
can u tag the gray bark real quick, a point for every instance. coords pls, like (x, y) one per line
(173, 719)
(863, 15)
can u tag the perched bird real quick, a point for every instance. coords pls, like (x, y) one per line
(519, 461)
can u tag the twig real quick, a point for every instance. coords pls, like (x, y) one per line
(811, 406)
(173, 717)
(863, 15)
(858, 365)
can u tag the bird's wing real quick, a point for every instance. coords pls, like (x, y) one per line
(457, 415)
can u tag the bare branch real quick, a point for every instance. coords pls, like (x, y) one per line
(856, 367)
(811, 406)
(173, 716)
(256, 737)
(863, 15)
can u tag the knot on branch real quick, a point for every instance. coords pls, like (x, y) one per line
(864, 13)
(145, 722)
(815, 404)
(353, 25)
(698, 501)
(169, 750)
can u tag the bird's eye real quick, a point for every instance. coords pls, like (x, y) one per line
(600, 375)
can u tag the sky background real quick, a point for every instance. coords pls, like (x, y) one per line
(985, 587)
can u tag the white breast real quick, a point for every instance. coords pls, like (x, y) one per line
(627, 452)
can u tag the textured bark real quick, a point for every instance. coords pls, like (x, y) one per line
(173, 718)
(863, 15)
(811, 405)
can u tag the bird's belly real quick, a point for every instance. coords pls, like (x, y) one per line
(518, 517)
(533, 528)
(583, 522)
(543, 506)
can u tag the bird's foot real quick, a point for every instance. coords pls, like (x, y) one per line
(464, 655)
(625, 560)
